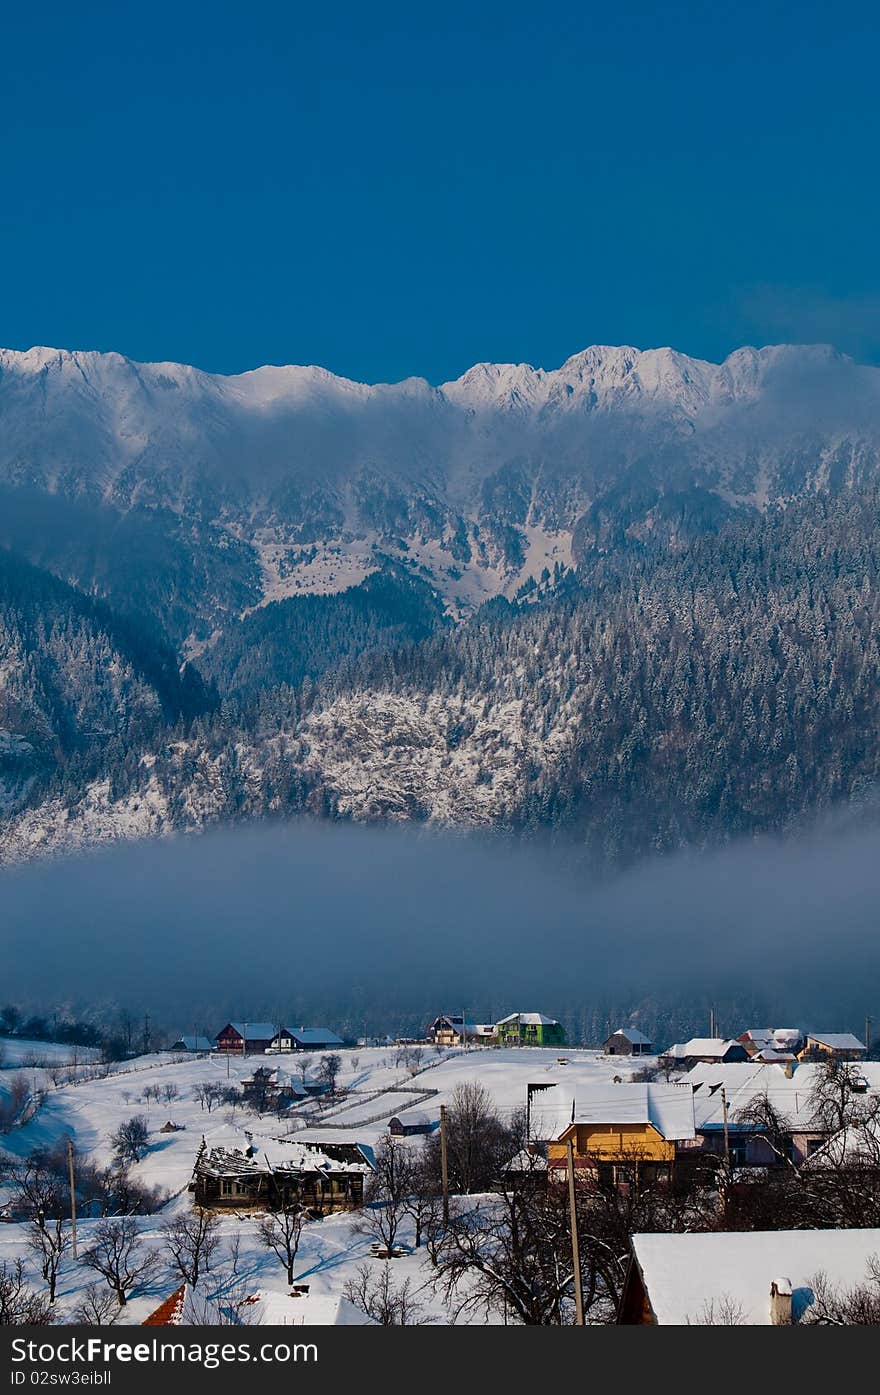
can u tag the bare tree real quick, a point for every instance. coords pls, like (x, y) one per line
(192, 1239)
(478, 1143)
(387, 1303)
(328, 1070)
(423, 1203)
(132, 1139)
(170, 1092)
(234, 1251)
(49, 1240)
(510, 1254)
(20, 1306)
(720, 1312)
(303, 1063)
(770, 1124)
(836, 1305)
(387, 1191)
(40, 1191)
(210, 1095)
(838, 1097)
(280, 1231)
(117, 1254)
(97, 1307)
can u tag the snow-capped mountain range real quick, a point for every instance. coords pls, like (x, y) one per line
(289, 480)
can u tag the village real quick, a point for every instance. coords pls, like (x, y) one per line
(484, 1173)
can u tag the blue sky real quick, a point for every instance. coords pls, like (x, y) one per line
(407, 190)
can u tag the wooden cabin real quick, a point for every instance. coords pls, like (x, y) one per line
(626, 1041)
(446, 1030)
(411, 1124)
(624, 1133)
(264, 1176)
(246, 1038)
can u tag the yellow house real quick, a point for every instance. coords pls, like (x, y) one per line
(619, 1132)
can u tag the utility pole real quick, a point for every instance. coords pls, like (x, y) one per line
(72, 1196)
(444, 1164)
(727, 1177)
(726, 1132)
(575, 1250)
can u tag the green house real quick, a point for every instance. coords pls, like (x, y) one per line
(529, 1029)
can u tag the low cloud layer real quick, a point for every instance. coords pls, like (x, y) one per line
(382, 924)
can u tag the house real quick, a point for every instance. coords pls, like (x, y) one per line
(450, 1029)
(753, 1277)
(782, 1040)
(305, 1039)
(620, 1133)
(245, 1038)
(411, 1123)
(626, 1041)
(789, 1090)
(481, 1033)
(192, 1044)
(170, 1127)
(273, 1089)
(712, 1050)
(268, 1173)
(839, 1046)
(529, 1029)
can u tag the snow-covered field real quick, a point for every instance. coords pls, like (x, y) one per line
(42, 1063)
(377, 1085)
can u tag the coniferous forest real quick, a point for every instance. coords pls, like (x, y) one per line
(663, 694)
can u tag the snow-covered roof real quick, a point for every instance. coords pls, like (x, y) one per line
(701, 1046)
(315, 1036)
(267, 1308)
(264, 1307)
(193, 1044)
(417, 1119)
(669, 1108)
(761, 1036)
(284, 1155)
(837, 1041)
(637, 1038)
(529, 1019)
(688, 1276)
(170, 1312)
(743, 1081)
(254, 1031)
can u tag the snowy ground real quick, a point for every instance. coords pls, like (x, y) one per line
(377, 1086)
(42, 1063)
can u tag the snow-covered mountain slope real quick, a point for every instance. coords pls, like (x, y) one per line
(289, 480)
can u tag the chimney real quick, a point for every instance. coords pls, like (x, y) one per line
(780, 1303)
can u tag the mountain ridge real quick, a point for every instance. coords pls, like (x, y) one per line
(289, 480)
